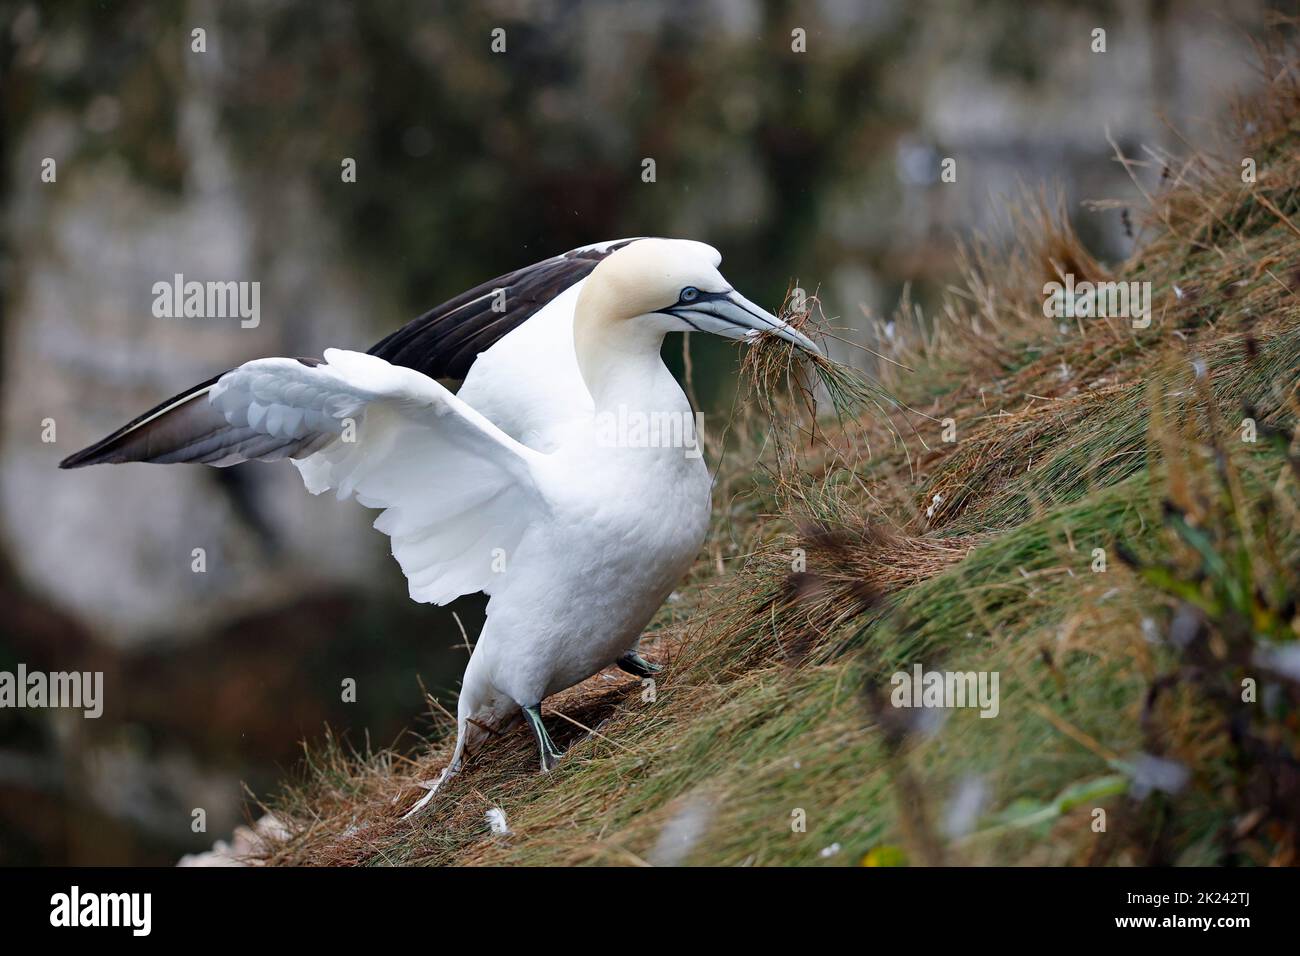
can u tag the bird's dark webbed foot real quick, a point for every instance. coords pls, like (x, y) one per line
(638, 666)
(550, 753)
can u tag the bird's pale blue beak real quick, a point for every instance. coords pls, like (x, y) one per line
(732, 316)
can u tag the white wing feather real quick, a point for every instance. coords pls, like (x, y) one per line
(453, 486)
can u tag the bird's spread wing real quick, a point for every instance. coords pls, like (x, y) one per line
(454, 486)
(458, 493)
(444, 342)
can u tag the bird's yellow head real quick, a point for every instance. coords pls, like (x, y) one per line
(654, 286)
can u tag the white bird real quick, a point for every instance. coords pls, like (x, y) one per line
(517, 485)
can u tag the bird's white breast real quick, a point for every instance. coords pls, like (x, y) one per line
(625, 526)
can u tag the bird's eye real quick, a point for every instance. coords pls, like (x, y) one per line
(690, 294)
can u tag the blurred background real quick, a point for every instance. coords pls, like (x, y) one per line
(821, 166)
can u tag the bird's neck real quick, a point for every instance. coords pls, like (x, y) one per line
(618, 358)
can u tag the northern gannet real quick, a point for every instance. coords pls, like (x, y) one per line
(509, 486)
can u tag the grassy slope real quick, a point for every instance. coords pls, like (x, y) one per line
(1068, 440)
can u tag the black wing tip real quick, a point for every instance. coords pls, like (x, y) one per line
(94, 455)
(107, 450)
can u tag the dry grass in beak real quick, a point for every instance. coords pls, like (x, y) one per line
(786, 384)
(771, 361)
